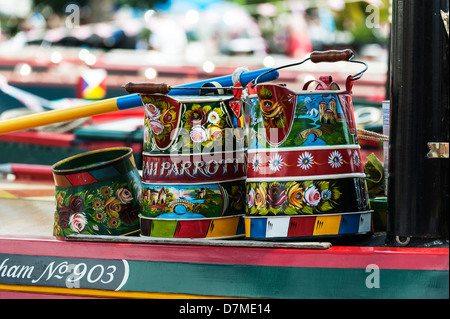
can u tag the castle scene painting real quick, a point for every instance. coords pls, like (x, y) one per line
(183, 201)
(317, 120)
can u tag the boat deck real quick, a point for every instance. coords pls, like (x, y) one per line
(26, 208)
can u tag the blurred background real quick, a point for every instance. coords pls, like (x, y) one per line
(57, 54)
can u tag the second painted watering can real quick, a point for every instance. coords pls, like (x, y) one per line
(304, 159)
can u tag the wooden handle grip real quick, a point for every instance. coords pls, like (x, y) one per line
(147, 88)
(331, 55)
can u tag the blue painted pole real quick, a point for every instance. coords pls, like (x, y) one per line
(226, 81)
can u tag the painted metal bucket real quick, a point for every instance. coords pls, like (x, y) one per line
(194, 166)
(305, 177)
(97, 193)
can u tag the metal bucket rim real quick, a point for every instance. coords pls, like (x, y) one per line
(193, 98)
(304, 148)
(241, 150)
(199, 183)
(307, 92)
(84, 168)
(308, 215)
(190, 219)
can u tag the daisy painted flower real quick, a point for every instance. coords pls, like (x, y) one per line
(305, 160)
(326, 194)
(276, 162)
(356, 158)
(256, 162)
(213, 117)
(335, 159)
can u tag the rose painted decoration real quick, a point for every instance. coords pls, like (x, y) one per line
(306, 197)
(162, 118)
(193, 124)
(97, 193)
(107, 210)
(193, 201)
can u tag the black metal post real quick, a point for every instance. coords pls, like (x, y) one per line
(418, 188)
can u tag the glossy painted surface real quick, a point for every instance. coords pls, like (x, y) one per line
(193, 200)
(282, 227)
(304, 159)
(210, 228)
(319, 196)
(98, 192)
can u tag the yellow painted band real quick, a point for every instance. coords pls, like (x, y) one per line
(102, 293)
(327, 225)
(248, 226)
(223, 227)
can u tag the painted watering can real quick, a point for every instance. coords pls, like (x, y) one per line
(194, 163)
(305, 177)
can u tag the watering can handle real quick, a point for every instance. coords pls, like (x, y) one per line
(324, 56)
(147, 88)
(331, 56)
